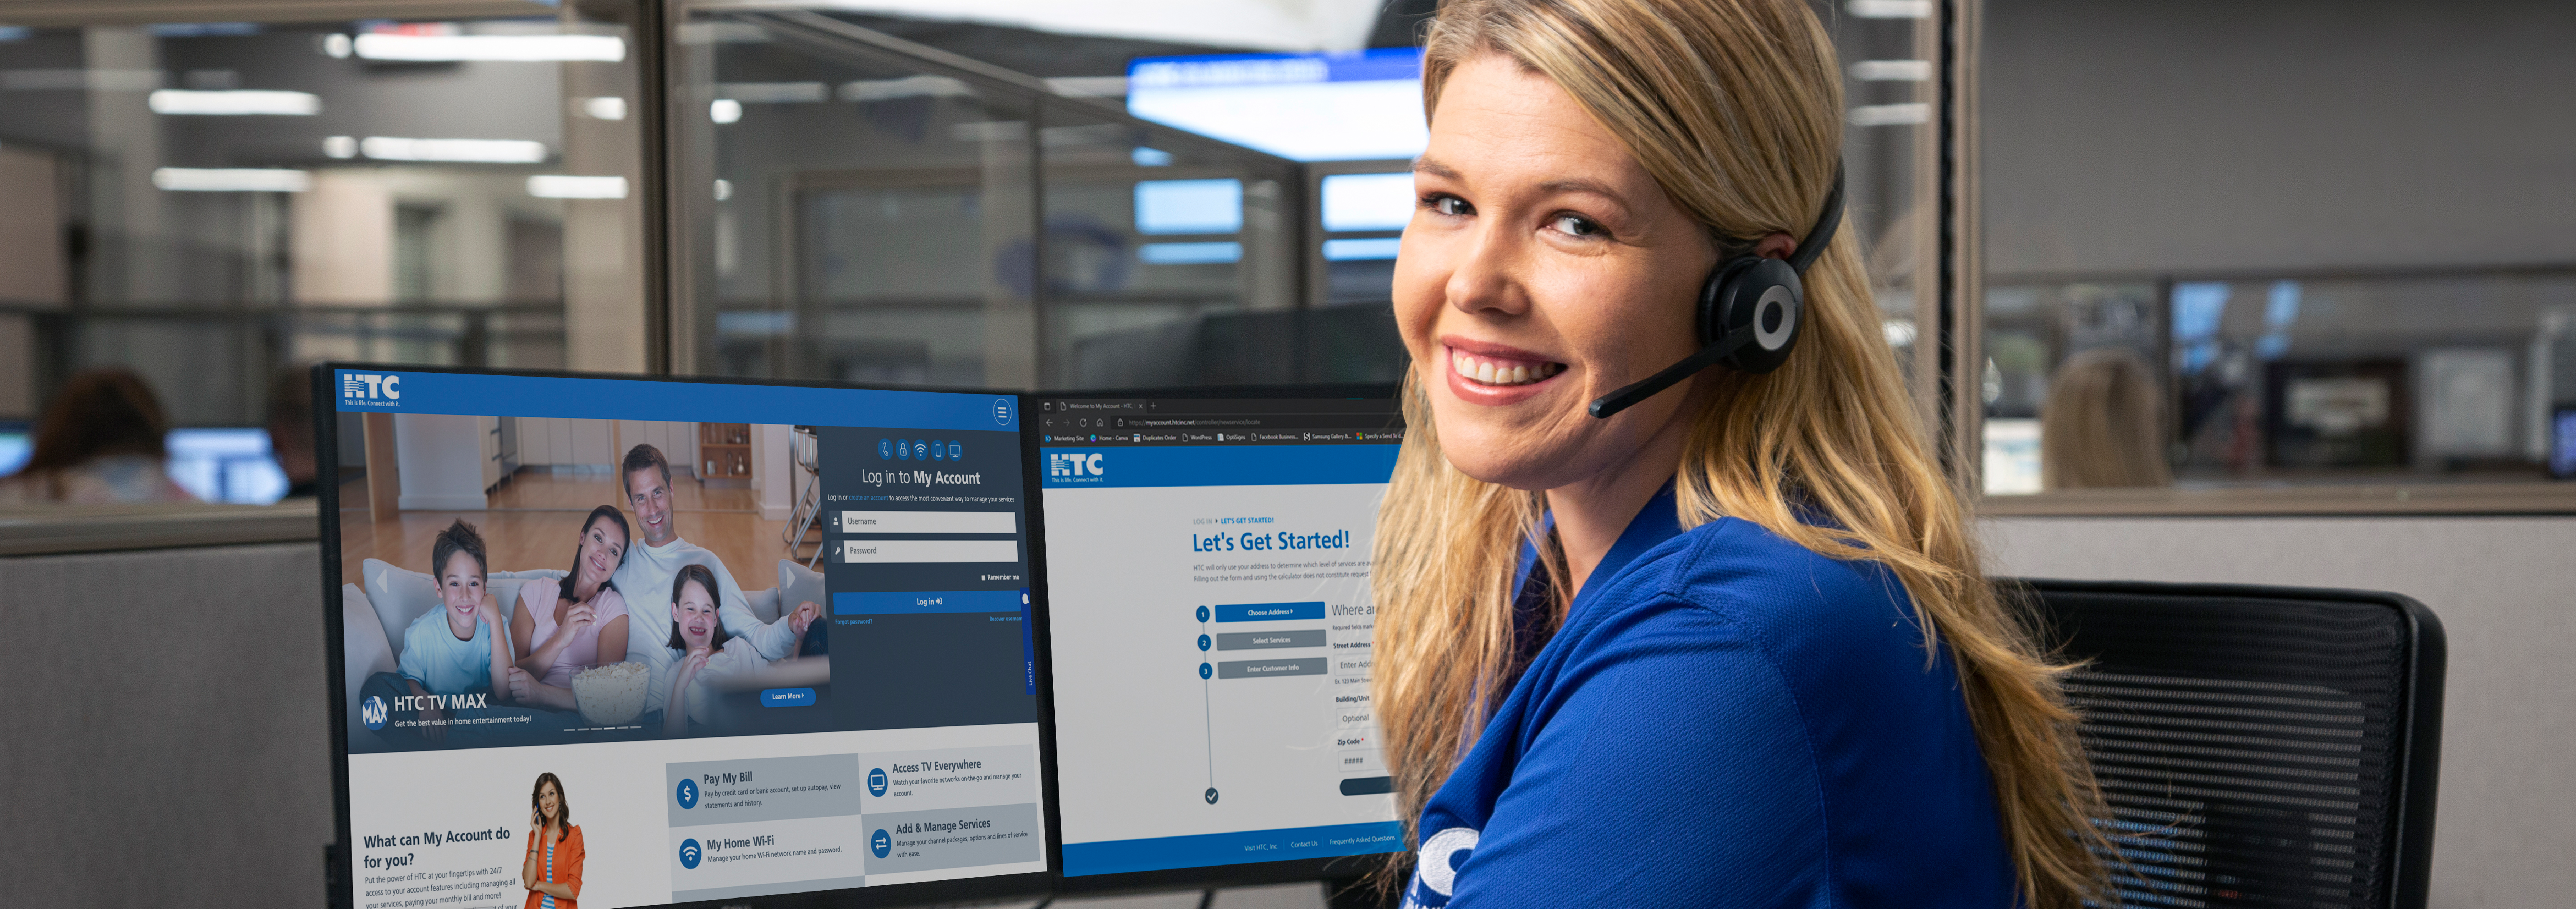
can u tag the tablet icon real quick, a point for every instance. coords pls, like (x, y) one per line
(689, 854)
(938, 450)
(687, 793)
(877, 782)
(879, 843)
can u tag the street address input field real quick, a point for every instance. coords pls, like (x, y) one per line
(863, 552)
(928, 522)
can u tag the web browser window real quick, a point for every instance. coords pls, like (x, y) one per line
(747, 639)
(1210, 622)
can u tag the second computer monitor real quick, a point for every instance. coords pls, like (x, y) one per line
(1208, 579)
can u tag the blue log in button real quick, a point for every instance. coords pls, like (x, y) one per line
(1267, 612)
(787, 697)
(918, 602)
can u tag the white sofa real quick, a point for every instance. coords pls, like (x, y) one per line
(373, 624)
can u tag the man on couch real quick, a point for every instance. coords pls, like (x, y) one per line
(645, 577)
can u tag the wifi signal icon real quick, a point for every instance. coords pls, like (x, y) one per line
(689, 854)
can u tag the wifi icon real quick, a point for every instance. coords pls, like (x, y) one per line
(689, 854)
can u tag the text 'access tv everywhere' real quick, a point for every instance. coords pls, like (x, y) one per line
(634, 642)
(1208, 580)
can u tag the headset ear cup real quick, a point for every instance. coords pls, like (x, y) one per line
(1710, 326)
(1713, 296)
(1765, 299)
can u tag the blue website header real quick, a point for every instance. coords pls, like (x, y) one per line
(1218, 465)
(478, 394)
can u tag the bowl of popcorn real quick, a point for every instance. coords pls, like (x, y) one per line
(611, 695)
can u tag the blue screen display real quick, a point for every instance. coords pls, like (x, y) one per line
(231, 465)
(1360, 105)
(2562, 443)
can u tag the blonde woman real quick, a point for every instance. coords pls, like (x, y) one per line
(2103, 425)
(1730, 646)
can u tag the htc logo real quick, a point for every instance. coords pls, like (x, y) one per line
(362, 386)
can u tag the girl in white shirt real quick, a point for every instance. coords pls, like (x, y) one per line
(703, 653)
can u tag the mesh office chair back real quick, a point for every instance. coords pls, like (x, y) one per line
(2258, 745)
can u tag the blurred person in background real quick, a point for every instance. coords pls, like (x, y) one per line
(100, 442)
(290, 430)
(2103, 424)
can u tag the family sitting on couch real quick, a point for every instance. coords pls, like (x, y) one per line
(464, 659)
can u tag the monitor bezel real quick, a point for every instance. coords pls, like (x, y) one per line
(1344, 868)
(341, 888)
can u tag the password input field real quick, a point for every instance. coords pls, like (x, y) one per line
(928, 522)
(859, 552)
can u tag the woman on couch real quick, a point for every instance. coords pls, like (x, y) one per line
(563, 627)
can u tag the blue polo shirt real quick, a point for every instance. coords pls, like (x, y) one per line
(1725, 718)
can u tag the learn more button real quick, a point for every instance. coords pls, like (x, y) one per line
(787, 697)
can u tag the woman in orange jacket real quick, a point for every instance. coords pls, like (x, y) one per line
(552, 872)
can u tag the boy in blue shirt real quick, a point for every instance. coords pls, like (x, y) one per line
(456, 657)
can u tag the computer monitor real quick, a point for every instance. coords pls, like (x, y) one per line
(17, 443)
(2562, 442)
(853, 707)
(1344, 106)
(1209, 629)
(226, 464)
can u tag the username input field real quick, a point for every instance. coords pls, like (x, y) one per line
(858, 552)
(928, 522)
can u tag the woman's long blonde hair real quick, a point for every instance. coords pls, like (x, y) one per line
(2103, 425)
(1735, 107)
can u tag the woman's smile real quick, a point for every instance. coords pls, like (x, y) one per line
(1484, 372)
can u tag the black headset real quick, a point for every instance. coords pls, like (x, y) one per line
(1749, 312)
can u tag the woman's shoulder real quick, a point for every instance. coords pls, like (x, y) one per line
(1839, 635)
(607, 604)
(1767, 586)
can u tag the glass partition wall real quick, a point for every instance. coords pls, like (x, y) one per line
(2231, 287)
(854, 206)
(207, 202)
(1892, 150)
(849, 204)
